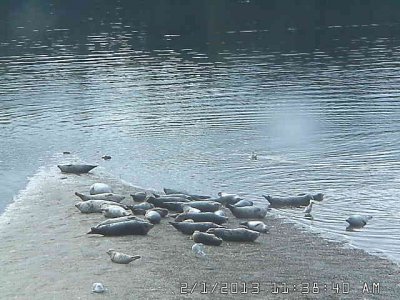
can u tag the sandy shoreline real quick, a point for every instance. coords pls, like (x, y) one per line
(45, 254)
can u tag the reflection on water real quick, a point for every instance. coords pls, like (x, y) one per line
(184, 106)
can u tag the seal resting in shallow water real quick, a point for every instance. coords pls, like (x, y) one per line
(357, 221)
(132, 227)
(76, 169)
(294, 201)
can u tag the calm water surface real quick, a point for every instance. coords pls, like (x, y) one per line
(181, 96)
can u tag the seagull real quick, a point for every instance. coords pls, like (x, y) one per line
(121, 258)
(98, 287)
(308, 209)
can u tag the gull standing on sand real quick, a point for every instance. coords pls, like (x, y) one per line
(121, 258)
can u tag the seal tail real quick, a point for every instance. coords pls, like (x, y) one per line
(82, 196)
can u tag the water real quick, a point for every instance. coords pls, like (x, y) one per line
(180, 95)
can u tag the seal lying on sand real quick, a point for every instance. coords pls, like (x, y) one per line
(243, 203)
(105, 196)
(206, 238)
(205, 206)
(153, 217)
(190, 227)
(235, 235)
(226, 198)
(251, 212)
(76, 169)
(202, 217)
(100, 188)
(131, 227)
(114, 211)
(159, 202)
(295, 201)
(162, 211)
(121, 258)
(357, 221)
(140, 209)
(255, 225)
(95, 206)
(119, 219)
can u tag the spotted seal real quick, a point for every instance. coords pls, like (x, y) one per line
(132, 227)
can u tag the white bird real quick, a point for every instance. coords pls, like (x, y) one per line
(198, 250)
(308, 209)
(121, 258)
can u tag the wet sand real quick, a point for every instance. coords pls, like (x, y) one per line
(46, 254)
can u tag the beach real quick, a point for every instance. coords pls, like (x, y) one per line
(46, 254)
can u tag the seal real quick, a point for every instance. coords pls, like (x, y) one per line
(256, 226)
(235, 235)
(190, 227)
(95, 206)
(192, 196)
(357, 221)
(121, 258)
(226, 198)
(205, 206)
(119, 219)
(206, 238)
(159, 202)
(187, 208)
(105, 196)
(76, 169)
(139, 196)
(294, 201)
(100, 188)
(251, 212)
(243, 203)
(140, 209)
(220, 213)
(153, 216)
(202, 217)
(132, 227)
(113, 211)
(162, 211)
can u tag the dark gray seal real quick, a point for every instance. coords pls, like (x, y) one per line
(76, 169)
(235, 235)
(139, 196)
(202, 217)
(250, 212)
(206, 238)
(294, 201)
(190, 227)
(158, 202)
(132, 227)
(141, 208)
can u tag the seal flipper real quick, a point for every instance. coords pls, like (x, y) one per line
(93, 230)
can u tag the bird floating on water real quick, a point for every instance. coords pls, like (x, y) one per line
(106, 157)
(253, 156)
